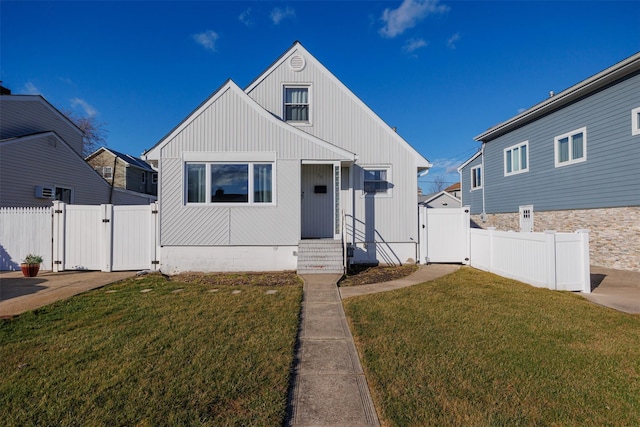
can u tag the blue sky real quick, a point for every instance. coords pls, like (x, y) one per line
(441, 72)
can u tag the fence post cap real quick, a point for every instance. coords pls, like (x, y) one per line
(491, 228)
(583, 230)
(549, 231)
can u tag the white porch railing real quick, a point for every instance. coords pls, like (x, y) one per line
(558, 261)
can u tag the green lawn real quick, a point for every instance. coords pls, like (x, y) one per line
(475, 349)
(191, 357)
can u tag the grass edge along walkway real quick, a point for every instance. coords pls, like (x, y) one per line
(150, 351)
(473, 348)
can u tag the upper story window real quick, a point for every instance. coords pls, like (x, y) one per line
(237, 183)
(376, 180)
(476, 177)
(296, 104)
(635, 121)
(571, 147)
(144, 178)
(516, 159)
(105, 171)
(154, 178)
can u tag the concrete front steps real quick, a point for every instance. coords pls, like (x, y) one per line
(320, 256)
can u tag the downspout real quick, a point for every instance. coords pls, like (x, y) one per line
(113, 178)
(483, 174)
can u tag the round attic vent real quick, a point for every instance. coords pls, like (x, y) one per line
(297, 63)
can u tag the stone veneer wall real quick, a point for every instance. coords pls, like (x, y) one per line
(614, 238)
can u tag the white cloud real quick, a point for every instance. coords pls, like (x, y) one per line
(278, 15)
(521, 110)
(245, 18)
(31, 89)
(88, 109)
(410, 12)
(412, 45)
(451, 43)
(207, 39)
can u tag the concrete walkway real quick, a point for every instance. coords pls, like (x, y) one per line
(328, 387)
(19, 294)
(617, 289)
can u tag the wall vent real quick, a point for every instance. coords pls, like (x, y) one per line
(43, 192)
(297, 63)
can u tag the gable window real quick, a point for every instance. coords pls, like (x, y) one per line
(515, 159)
(476, 177)
(571, 147)
(376, 180)
(105, 171)
(635, 121)
(296, 104)
(229, 183)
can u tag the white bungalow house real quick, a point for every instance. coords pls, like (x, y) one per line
(262, 178)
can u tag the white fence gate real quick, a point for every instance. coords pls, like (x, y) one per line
(444, 235)
(81, 237)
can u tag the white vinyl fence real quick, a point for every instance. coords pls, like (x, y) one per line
(558, 261)
(81, 237)
(25, 231)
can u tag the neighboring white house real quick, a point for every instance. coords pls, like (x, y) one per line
(570, 162)
(40, 159)
(251, 176)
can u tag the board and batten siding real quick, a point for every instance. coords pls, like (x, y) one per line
(339, 117)
(608, 178)
(229, 125)
(28, 114)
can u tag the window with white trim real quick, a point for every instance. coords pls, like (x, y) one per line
(296, 104)
(516, 159)
(376, 180)
(105, 171)
(245, 183)
(476, 178)
(571, 147)
(635, 121)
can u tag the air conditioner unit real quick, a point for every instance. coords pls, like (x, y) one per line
(45, 192)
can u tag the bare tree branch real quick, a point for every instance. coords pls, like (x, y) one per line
(94, 132)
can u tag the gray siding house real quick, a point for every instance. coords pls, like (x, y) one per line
(568, 163)
(252, 178)
(124, 171)
(40, 159)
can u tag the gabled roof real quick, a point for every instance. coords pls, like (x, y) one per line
(586, 87)
(229, 85)
(453, 187)
(422, 162)
(124, 157)
(471, 159)
(40, 99)
(443, 194)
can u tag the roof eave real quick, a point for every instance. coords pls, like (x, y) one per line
(586, 87)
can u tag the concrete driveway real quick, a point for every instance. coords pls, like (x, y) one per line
(618, 289)
(19, 294)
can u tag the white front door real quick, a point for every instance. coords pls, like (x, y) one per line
(317, 201)
(526, 219)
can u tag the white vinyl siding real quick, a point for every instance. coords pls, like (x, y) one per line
(571, 147)
(516, 159)
(476, 178)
